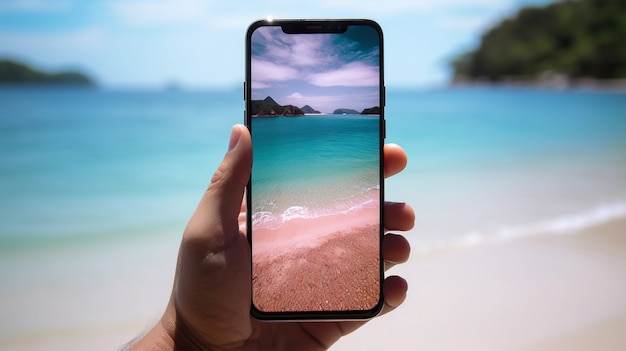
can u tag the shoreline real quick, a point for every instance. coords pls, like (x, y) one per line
(317, 264)
(307, 232)
(556, 83)
(539, 292)
(532, 293)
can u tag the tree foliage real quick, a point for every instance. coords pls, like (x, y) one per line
(576, 38)
(269, 107)
(17, 73)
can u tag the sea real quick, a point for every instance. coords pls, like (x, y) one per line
(96, 185)
(314, 165)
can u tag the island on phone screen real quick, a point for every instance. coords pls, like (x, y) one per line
(316, 176)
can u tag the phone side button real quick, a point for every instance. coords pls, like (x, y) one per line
(384, 96)
(244, 91)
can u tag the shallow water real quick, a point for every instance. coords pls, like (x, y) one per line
(312, 166)
(86, 164)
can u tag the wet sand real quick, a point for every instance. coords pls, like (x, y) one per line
(310, 232)
(339, 272)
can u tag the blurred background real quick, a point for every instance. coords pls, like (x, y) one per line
(114, 114)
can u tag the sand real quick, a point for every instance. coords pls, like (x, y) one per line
(87, 296)
(542, 293)
(546, 292)
(339, 273)
(328, 263)
(310, 232)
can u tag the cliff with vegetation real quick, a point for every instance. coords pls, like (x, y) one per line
(345, 111)
(268, 108)
(371, 111)
(310, 110)
(564, 43)
(12, 72)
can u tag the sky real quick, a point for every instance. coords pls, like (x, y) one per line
(201, 43)
(323, 71)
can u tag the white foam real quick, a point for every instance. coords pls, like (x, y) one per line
(271, 220)
(568, 224)
(266, 220)
(562, 225)
(294, 212)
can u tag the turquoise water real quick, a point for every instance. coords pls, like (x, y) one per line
(108, 165)
(91, 164)
(489, 162)
(313, 164)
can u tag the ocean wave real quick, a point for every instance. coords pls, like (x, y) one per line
(562, 225)
(269, 220)
(568, 224)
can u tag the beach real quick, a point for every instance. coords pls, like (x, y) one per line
(338, 273)
(313, 262)
(552, 292)
(519, 195)
(316, 216)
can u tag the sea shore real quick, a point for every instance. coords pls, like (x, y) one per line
(549, 82)
(324, 263)
(550, 292)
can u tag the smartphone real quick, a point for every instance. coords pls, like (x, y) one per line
(314, 105)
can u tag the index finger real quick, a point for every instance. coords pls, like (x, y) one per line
(395, 159)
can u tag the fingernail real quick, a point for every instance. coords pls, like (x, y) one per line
(234, 138)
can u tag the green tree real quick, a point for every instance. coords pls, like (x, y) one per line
(17, 73)
(577, 38)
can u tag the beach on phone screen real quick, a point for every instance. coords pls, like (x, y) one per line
(316, 212)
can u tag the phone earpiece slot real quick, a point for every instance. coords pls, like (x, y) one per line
(305, 27)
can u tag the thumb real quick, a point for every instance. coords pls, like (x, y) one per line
(219, 208)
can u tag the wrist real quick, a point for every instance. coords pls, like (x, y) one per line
(157, 339)
(169, 334)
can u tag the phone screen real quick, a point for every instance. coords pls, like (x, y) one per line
(314, 109)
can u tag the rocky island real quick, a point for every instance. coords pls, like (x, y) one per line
(348, 111)
(345, 111)
(270, 108)
(371, 111)
(13, 72)
(310, 110)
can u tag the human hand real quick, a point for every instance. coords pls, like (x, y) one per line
(210, 303)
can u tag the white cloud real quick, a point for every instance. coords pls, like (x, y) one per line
(265, 72)
(323, 103)
(355, 74)
(146, 12)
(295, 95)
(305, 51)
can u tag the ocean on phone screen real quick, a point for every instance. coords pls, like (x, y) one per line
(313, 166)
